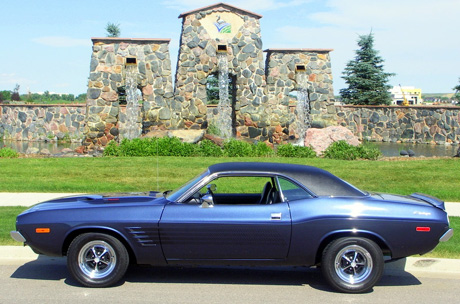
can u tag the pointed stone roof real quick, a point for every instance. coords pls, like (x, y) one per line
(223, 6)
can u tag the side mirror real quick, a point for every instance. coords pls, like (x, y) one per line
(211, 187)
(208, 201)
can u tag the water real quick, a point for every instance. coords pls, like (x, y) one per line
(224, 108)
(23, 146)
(132, 128)
(393, 149)
(303, 121)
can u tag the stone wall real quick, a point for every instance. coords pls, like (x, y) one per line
(417, 124)
(42, 122)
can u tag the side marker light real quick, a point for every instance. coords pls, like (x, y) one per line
(423, 229)
(42, 230)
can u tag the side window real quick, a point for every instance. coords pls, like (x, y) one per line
(240, 190)
(291, 191)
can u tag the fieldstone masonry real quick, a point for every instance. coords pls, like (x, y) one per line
(415, 124)
(263, 101)
(42, 122)
(262, 107)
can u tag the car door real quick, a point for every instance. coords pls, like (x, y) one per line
(231, 231)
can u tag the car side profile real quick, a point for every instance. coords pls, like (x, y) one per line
(246, 213)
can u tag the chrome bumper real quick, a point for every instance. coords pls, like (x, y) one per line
(446, 236)
(17, 236)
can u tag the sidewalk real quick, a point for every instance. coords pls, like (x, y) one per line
(29, 199)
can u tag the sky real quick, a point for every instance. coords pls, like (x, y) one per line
(46, 44)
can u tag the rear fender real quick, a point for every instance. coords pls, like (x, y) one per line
(333, 235)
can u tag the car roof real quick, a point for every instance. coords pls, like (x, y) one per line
(318, 181)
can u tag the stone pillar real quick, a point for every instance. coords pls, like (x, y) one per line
(107, 76)
(283, 65)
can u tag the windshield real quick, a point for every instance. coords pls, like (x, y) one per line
(174, 195)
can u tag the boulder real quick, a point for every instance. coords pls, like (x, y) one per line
(320, 139)
(187, 136)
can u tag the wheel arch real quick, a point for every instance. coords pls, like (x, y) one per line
(104, 230)
(327, 239)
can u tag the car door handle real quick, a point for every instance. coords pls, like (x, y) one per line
(276, 216)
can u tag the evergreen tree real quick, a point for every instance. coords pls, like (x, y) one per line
(457, 93)
(366, 80)
(113, 30)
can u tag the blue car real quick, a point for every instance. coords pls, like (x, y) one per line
(239, 214)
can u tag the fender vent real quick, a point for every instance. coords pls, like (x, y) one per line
(146, 237)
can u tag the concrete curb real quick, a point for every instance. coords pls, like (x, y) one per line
(22, 255)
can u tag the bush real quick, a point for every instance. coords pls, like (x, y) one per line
(261, 149)
(344, 151)
(237, 148)
(209, 149)
(289, 150)
(8, 153)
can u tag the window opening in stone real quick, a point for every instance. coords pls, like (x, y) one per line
(222, 48)
(131, 61)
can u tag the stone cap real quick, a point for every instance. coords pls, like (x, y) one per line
(221, 5)
(293, 50)
(131, 40)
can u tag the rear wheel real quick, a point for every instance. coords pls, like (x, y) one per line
(97, 260)
(352, 265)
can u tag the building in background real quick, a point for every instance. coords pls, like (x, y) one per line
(412, 94)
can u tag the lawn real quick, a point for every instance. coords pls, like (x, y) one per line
(437, 177)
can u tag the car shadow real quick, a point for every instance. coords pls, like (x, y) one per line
(55, 269)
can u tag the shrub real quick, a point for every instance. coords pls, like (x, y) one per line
(342, 150)
(261, 149)
(112, 149)
(209, 149)
(289, 150)
(237, 148)
(8, 153)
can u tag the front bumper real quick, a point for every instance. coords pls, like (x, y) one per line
(446, 236)
(17, 236)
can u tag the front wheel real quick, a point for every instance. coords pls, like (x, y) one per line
(97, 260)
(352, 265)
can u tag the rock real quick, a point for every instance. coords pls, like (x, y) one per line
(403, 153)
(66, 150)
(187, 136)
(411, 153)
(320, 139)
(458, 153)
(215, 139)
(32, 151)
(45, 152)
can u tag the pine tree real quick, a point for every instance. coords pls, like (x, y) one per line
(113, 30)
(457, 93)
(366, 80)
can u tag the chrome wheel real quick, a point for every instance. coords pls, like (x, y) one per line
(97, 259)
(353, 264)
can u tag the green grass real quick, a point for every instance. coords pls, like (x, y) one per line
(448, 250)
(8, 223)
(437, 177)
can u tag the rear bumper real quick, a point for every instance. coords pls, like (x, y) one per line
(446, 236)
(17, 236)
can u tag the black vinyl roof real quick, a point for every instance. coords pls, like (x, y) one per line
(318, 181)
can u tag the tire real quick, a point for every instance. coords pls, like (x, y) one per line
(352, 264)
(97, 260)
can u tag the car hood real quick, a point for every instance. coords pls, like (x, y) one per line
(414, 198)
(107, 199)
